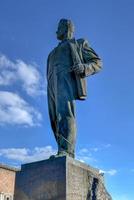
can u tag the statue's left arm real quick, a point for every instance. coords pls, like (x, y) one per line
(91, 61)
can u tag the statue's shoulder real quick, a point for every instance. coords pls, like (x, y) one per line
(87, 50)
(83, 43)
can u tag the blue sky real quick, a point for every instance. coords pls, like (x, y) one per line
(105, 120)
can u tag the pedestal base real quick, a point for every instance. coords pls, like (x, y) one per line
(61, 178)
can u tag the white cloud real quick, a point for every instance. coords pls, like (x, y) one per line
(121, 197)
(87, 156)
(110, 172)
(101, 147)
(83, 151)
(13, 72)
(107, 145)
(95, 149)
(14, 110)
(84, 155)
(5, 62)
(25, 155)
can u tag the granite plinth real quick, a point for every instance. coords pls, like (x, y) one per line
(61, 178)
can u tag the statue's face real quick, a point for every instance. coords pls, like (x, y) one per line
(62, 31)
(65, 29)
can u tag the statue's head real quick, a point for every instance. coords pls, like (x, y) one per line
(65, 29)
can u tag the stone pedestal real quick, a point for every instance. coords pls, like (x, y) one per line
(61, 178)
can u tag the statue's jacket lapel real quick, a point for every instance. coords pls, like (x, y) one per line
(76, 54)
(82, 53)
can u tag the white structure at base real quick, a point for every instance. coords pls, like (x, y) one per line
(6, 196)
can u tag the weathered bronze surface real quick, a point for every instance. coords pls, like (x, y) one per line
(68, 65)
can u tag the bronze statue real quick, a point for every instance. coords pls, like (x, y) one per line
(67, 66)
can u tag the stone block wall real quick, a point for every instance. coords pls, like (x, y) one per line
(61, 178)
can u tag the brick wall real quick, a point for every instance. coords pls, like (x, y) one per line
(7, 179)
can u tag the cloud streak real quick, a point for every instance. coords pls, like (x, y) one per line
(27, 75)
(101, 147)
(110, 172)
(86, 154)
(16, 111)
(26, 155)
(121, 197)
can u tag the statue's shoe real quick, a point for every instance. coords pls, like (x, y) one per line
(61, 154)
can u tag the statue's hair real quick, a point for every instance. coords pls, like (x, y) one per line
(68, 23)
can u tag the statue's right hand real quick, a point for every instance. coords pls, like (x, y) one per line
(79, 68)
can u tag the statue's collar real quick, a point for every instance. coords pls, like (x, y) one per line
(67, 40)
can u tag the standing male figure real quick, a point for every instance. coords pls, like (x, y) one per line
(67, 66)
